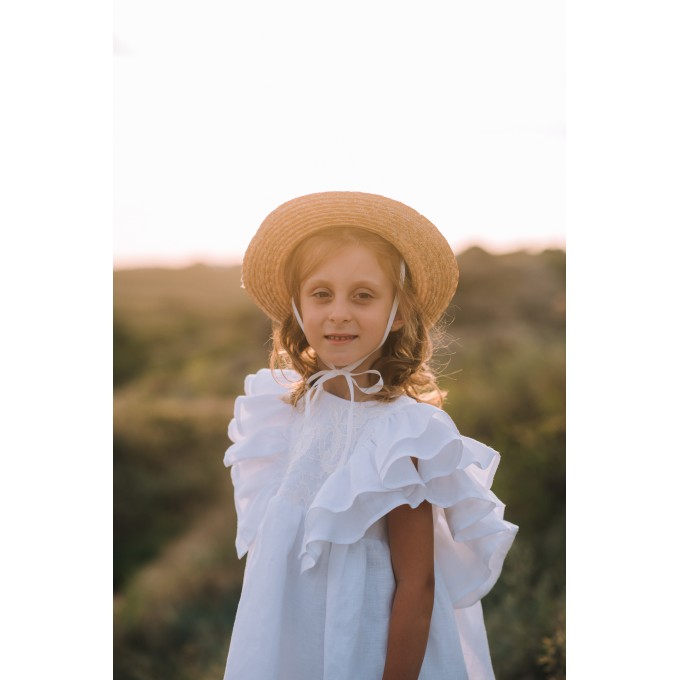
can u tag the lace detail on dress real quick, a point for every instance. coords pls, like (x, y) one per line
(318, 443)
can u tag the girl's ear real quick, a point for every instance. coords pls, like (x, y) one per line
(397, 323)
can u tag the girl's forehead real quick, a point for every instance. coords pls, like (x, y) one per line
(348, 261)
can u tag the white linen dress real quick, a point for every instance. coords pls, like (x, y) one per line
(318, 584)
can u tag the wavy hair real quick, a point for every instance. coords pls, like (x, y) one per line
(405, 356)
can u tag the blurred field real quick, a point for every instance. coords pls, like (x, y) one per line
(184, 341)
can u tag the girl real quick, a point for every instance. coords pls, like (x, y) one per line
(370, 527)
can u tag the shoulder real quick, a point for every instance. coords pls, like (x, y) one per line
(406, 418)
(267, 381)
(262, 406)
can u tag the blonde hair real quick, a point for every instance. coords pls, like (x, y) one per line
(404, 360)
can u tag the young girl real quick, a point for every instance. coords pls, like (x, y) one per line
(370, 527)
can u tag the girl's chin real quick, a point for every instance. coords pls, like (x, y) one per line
(339, 364)
(344, 362)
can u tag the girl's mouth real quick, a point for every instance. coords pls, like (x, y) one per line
(340, 338)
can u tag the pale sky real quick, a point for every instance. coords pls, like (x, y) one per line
(225, 110)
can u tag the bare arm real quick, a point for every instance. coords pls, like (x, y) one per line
(411, 536)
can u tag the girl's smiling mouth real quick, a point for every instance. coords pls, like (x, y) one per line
(340, 338)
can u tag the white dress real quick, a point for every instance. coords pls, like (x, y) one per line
(318, 583)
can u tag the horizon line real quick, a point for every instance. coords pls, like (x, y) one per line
(231, 259)
(187, 261)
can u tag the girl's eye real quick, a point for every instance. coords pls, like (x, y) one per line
(364, 296)
(320, 294)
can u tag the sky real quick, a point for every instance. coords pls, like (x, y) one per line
(223, 111)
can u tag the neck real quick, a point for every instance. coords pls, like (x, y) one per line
(338, 386)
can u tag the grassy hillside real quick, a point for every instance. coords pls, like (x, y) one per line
(183, 342)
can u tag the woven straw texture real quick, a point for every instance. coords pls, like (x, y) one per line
(428, 256)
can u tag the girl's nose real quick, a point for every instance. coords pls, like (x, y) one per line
(339, 312)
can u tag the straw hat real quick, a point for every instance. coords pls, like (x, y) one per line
(428, 256)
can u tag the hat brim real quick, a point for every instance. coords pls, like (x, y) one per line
(428, 256)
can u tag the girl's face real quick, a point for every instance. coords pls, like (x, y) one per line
(345, 304)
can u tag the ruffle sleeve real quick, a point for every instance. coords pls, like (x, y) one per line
(260, 430)
(454, 473)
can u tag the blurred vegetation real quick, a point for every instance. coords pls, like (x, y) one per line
(184, 341)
